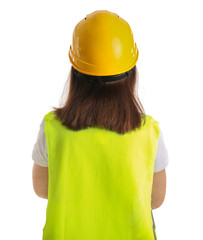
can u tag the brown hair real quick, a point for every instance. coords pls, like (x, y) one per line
(110, 105)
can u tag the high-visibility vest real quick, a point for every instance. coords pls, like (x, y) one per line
(100, 182)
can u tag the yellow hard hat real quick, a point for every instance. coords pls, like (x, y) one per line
(103, 45)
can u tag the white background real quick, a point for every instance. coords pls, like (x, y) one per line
(34, 66)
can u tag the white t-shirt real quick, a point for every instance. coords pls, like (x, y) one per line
(39, 154)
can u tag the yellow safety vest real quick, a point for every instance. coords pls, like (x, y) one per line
(100, 182)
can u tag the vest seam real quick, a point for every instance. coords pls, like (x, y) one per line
(153, 226)
(48, 153)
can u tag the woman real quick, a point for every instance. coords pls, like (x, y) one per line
(99, 159)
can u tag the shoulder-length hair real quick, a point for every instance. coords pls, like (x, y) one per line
(110, 105)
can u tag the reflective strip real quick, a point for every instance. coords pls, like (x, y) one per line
(153, 227)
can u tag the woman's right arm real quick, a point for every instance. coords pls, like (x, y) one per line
(158, 189)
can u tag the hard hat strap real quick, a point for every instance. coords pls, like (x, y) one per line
(102, 79)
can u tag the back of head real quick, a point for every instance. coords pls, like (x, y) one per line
(103, 76)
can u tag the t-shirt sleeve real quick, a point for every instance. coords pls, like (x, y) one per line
(161, 160)
(39, 153)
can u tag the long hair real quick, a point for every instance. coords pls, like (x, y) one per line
(110, 105)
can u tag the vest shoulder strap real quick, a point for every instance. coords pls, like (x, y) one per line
(149, 120)
(49, 116)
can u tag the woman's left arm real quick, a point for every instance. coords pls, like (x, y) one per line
(40, 180)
